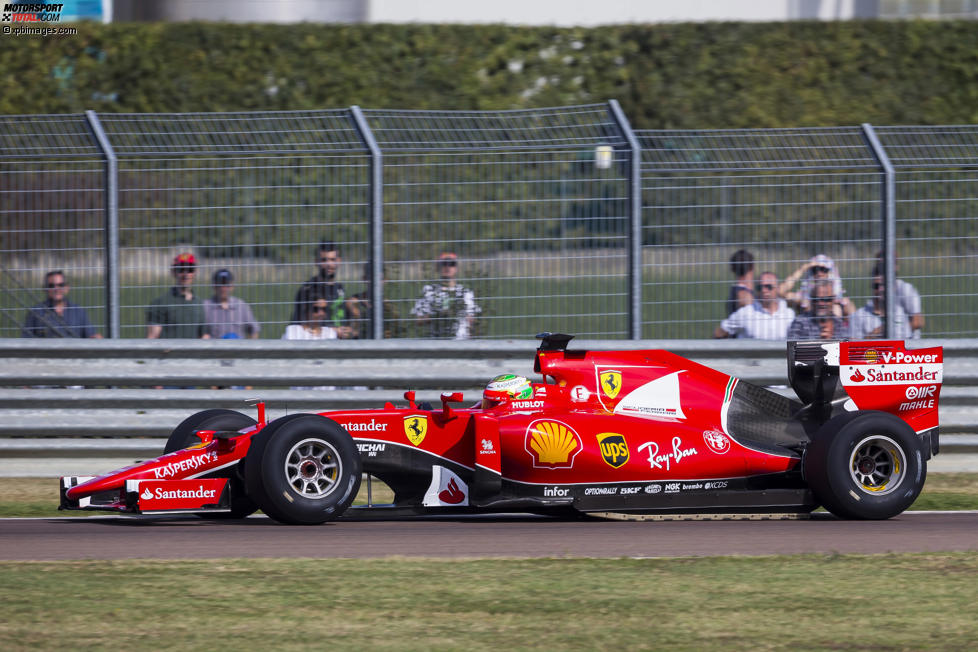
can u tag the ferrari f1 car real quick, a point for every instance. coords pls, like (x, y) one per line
(625, 432)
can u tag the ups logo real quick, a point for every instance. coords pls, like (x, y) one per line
(614, 448)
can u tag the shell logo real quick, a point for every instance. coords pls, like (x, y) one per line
(552, 444)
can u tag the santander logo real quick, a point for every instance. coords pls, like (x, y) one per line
(146, 495)
(452, 494)
(857, 377)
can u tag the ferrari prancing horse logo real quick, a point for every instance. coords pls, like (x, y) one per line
(610, 383)
(416, 427)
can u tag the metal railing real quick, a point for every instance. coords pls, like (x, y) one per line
(82, 406)
(561, 219)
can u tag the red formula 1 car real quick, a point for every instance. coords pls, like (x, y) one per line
(626, 432)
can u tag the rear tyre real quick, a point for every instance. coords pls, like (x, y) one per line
(183, 436)
(303, 469)
(865, 465)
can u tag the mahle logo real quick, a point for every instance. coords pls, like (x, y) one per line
(614, 448)
(610, 383)
(416, 427)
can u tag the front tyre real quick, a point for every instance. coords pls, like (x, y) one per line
(303, 469)
(183, 436)
(865, 465)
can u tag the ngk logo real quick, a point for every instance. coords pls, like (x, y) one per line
(921, 392)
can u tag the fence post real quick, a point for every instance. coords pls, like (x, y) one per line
(111, 225)
(376, 223)
(889, 226)
(635, 221)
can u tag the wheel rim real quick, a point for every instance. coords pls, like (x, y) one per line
(313, 468)
(877, 465)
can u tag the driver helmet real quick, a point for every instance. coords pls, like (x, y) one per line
(504, 388)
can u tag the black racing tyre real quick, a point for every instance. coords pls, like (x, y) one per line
(303, 469)
(865, 465)
(183, 436)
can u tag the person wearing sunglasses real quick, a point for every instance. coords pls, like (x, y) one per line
(867, 322)
(312, 326)
(56, 316)
(325, 285)
(820, 321)
(229, 317)
(819, 268)
(447, 309)
(767, 318)
(180, 312)
(906, 296)
(742, 290)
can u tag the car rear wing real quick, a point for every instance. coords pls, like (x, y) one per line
(869, 375)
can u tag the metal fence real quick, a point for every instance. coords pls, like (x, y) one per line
(561, 219)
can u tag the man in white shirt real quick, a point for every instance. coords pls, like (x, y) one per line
(867, 322)
(906, 296)
(767, 318)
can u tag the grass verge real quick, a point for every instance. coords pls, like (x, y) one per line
(815, 602)
(38, 497)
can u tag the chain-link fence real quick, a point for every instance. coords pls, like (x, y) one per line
(52, 218)
(782, 195)
(490, 224)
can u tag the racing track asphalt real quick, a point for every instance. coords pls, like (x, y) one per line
(114, 537)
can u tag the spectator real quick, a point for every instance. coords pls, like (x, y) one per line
(56, 316)
(447, 309)
(228, 316)
(819, 322)
(360, 311)
(906, 296)
(324, 285)
(819, 268)
(867, 322)
(767, 318)
(742, 291)
(312, 327)
(179, 313)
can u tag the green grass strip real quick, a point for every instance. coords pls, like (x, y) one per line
(814, 602)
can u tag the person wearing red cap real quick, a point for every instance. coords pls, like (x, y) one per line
(447, 309)
(179, 313)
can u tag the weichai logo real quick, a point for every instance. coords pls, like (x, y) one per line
(614, 448)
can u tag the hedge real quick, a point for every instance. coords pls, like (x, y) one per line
(706, 75)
